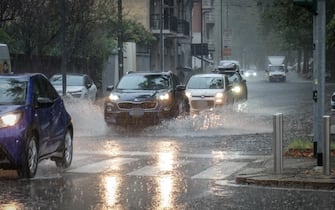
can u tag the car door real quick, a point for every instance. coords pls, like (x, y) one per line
(48, 115)
(91, 88)
(180, 96)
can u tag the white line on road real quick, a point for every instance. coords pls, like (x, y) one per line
(103, 166)
(157, 170)
(221, 170)
(215, 154)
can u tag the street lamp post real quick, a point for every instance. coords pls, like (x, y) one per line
(161, 37)
(120, 40)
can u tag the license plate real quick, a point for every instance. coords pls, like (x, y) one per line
(136, 112)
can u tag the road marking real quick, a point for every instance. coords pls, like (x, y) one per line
(103, 166)
(215, 154)
(159, 169)
(221, 170)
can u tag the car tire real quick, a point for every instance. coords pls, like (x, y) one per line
(66, 160)
(30, 158)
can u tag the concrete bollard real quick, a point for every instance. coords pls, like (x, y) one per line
(326, 145)
(278, 142)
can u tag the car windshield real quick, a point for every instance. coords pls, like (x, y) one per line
(276, 68)
(71, 80)
(144, 82)
(12, 91)
(206, 83)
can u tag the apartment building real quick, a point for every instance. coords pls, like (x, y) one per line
(170, 22)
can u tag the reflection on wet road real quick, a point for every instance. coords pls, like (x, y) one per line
(188, 163)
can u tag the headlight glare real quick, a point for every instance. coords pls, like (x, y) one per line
(113, 97)
(236, 89)
(10, 119)
(188, 94)
(219, 95)
(164, 97)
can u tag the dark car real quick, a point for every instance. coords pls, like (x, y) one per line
(34, 124)
(232, 71)
(145, 99)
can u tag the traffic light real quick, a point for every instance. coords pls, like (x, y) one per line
(310, 5)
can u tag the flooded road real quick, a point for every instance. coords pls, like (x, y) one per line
(187, 163)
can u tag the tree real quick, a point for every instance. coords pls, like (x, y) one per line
(35, 27)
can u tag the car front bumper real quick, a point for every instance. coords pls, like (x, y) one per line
(12, 144)
(136, 116)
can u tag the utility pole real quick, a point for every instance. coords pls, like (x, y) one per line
(64, 56)
(120, 39)
(318, 9)
(321, 57)
(161, 36)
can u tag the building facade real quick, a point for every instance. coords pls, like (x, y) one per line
(170, 22)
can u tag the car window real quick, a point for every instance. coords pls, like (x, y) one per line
(13, 91)
(42, 88)
(71, 80)
(144, 82)
(205, 83)
(277, 68)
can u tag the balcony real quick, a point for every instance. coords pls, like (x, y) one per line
(207, 5)
(183, 28)
(170, 24)
(209, 18)
(211, 45)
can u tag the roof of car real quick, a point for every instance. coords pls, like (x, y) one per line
(208, 75)
(20, 75)
(70, 74)
(150, 73)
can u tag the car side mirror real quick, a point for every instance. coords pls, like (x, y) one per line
(110, 88)
(43, 102)
(88, 85)
(181, 87)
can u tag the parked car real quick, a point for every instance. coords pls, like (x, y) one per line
(208, 92)
(34, 124)
(332, 102)
(78, 86)
(145, 99)
(232, 71)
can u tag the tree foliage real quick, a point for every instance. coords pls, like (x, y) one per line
(34, 27)
(293, 25)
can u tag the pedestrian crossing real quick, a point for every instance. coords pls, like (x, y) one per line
(195, 166)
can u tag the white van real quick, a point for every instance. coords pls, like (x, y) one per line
(5, 65)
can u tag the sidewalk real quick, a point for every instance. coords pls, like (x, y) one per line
(297, 172)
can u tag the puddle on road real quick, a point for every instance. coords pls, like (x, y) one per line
(88, 120)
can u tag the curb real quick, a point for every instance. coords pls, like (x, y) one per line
(287, 180)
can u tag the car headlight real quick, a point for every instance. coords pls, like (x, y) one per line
(219, 98)
(219, 95)
(10, 119)
(188, 94)
(164, 97)
(236, 89)
(113, 97)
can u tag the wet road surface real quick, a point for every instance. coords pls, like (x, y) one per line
(182, 164)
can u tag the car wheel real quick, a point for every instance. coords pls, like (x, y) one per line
(30, 158)
(183, 109)
(66, 160)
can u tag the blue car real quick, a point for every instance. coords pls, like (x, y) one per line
(34, 124)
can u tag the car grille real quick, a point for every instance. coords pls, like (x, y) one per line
(144, 105)
(202, 104)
